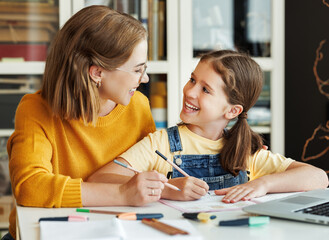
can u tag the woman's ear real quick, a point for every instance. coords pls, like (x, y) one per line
(233, 112)
(95, 73)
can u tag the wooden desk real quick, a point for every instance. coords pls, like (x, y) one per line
(277, 229)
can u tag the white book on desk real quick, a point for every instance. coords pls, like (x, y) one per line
(113, 229)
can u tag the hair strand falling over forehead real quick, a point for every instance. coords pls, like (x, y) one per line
(243, 80)
(96, 35)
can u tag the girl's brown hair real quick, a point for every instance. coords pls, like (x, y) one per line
(96, 35)
(243, 80)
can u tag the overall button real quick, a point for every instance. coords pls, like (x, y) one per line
(178, 161)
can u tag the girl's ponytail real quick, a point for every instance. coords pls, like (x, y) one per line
(240, 142)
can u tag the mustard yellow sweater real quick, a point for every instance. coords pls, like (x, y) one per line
(49, 158)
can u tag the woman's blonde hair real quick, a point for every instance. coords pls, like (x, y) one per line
(243, 80)
(96, 35)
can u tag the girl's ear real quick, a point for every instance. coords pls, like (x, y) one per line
(233, 112)
(95, 73)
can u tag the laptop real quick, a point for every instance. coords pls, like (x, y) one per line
(311, 206)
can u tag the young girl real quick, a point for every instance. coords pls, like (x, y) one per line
(223, 87)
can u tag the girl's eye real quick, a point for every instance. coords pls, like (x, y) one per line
(192, 80)
(205, 90)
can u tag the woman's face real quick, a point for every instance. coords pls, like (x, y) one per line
(119, 85)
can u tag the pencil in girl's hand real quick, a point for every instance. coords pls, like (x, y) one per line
(172, 164)
(137, 171)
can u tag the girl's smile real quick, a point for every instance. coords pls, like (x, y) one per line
(188, 107)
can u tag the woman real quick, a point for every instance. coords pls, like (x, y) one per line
(87, 113)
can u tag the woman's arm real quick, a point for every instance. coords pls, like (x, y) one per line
(112, 173)
(297, 177)
(139, 190)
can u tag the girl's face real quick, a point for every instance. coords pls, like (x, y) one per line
(205, 103)
(119, 85)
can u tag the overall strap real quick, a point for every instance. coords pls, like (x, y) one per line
(174, 139)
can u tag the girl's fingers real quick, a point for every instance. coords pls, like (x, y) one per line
(222, 191)
(236, 195)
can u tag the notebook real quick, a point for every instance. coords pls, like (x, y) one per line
(311, 206)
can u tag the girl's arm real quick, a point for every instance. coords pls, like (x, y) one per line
(297, 177)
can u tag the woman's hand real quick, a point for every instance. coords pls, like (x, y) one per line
(191, 189)
(246, 191)
(143, 188)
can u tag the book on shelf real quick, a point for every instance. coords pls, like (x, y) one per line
(144, 13)
(158, 101)
(30, 52)
(29, 7)
(161, 30)
(19, 35)
(156, 29)
(23, 22)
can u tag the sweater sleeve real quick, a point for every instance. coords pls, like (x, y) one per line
(30, 150)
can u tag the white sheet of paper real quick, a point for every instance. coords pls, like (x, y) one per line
(114, 229)
(208, 203)
(105, 229)
(213, 203)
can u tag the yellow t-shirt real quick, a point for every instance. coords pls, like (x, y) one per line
(49, 158)
(142, 155)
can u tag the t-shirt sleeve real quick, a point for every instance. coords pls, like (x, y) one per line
(265, 162)
(142, 155)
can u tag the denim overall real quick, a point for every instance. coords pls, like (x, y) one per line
(205, 167)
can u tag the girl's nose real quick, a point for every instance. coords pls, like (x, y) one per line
(190, 91)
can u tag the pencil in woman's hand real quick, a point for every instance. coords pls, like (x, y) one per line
(137, 171)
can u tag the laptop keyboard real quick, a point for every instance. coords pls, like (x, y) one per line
(321, 209)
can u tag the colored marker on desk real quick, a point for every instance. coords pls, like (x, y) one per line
(251, 221)
(97, 211)
(201, 216)
(71, 218)
(132, 169)
(139, 216)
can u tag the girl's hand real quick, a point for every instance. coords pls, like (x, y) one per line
(191, 189)
(246, 191)
(143, 188)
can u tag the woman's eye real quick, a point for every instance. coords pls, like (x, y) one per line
(139, 70)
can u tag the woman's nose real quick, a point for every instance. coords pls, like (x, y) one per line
(145, 78)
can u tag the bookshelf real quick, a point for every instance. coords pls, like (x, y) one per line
(177, 61)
